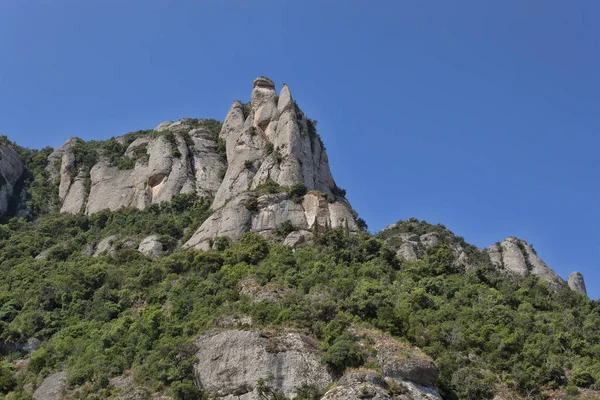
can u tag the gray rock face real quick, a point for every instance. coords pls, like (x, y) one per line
(52, 388)
(270, 140)
(576, 283)
(189, 164)
(397, 359)
(231, 362)
(107, 246)
(11, 169)
(411, 247)
(517, 256)
(151, 247)
(369, 384)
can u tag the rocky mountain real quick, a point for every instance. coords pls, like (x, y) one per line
(208, 260)
(277, 171)
(413, 240)
(265, 167)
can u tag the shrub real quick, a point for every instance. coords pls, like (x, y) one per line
(572, 390)
(270, 148)
(270, 187)
(581, 379)
(285, 229)
(297, 191)
(187, 391)
(344, 353)
(7, 380)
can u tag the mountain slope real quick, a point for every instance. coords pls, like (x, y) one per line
(204, 260)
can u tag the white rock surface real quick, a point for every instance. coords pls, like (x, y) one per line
(52, 388)
(272, 142)
(231, 362)
(371, 385)
(577, 283)
(182, 167)
(518, 256)
(151, 246)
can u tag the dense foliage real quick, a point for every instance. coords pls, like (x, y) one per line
(101, 316)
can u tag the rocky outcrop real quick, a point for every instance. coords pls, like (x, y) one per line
(231, 362)
(52, 388)
(576, 283)
(517, 256)
(404, 372)
(412, 247)
(270, 142)
(162, 166)
(11, 169)
(366, 384)
(151, 246)
(395, 358)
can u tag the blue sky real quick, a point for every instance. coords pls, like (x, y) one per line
(479, 115)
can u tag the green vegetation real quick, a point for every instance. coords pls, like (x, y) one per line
(99, 317)
(297, 191)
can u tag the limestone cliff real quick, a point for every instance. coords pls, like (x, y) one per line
(277, 172)
(266, 167)
(11, 169)
(176, 157)
(232, 361)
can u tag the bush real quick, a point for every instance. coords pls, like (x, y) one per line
(285, 229)
(344, 353)
(581, 379)
(7, 380)
(187, 391)
(297, 191)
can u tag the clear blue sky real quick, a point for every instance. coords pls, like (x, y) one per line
(480, 115)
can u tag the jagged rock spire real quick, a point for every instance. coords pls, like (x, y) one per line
(267, 140)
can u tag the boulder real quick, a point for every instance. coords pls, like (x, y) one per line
(230, 362)
(52, 388)
(407, 251)
(151, 246)
(296, 238)
(107, 246)
(429, 239)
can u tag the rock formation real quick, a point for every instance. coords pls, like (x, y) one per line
(517, 256)
(367, 384)
(231, 361)
(11, 169)
(272, 148)
(276, 171)
(162, 166)
(576, 283)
